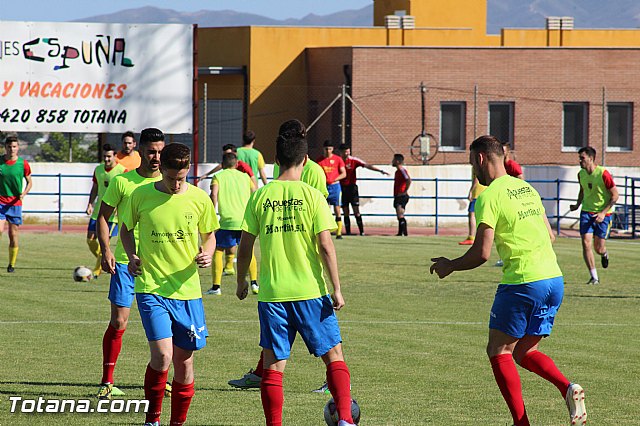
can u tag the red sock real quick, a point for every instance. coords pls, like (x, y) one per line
(154, 384)
(543, 366)
(258, 370)
(111, 346)
(508, 380)
(339, 382)
(181, 396)
(272, 394)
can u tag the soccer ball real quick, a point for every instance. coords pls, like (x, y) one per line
(331, 413)
(82, 274)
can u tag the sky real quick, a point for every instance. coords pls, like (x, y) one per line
(68, 10)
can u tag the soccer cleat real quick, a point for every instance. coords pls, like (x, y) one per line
(152, 424)
(248, 381)
(167, 390)
(228, 271)
(10, 268)
(575, 404)
(604, 259)
(116, 392)
(467, 242)
(105, 391)
(345, 423)
(323, 389)
(339, 237)
(499, 263)
(593, 281)
(255, 288)
(216, 292)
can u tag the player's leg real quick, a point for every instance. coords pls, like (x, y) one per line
(183, 385)
(339, 382)
(253, 272)
(94, 246)
(345, 212)
(229, 256)
(336, 211)
(356, 214)
(587, 226)
(217, 267)
(271, 388)
(471, 221)
(600, 235)
(251, 379)
(13, 245)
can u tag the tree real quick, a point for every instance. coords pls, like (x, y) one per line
(56, 149)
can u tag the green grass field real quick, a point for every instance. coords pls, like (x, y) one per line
(415, 345)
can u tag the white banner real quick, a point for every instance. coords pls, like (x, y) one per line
(95, 78)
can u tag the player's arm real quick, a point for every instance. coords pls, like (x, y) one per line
(104, 238)
(408, 184)
(204, 256)
(28, 187)
(215, 188)
(245, 251)
(477, 254)
(263, 175)
(212, 171)
(343, 173)
(330, 261)
(92, 198)
(613, 197)
(129, 245)
(552, 236)
(375, 169)
(575, 206)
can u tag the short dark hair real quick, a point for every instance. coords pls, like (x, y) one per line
(229, 159)
(290, 151)
(248, 137)
(175, 156)
(327, 143)
(107, 147)
(230, 146)
(590, 151)
(344, 146)
(10, 139)
(128, 134)
(489, 145)
(399, 158)
(151, 134)
(292, 128)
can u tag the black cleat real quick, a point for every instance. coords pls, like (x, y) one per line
(10, 268)
(605, 261)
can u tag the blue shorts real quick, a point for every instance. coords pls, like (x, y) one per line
(121, 286)
(314, 319)
(183, 320)
(11, 213)
(531, 308)
(334, 194)
(588, 225)
(472, 206)
(93, 227)
(226, 238)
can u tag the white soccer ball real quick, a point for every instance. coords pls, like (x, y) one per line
(82, 274)
(331, 413)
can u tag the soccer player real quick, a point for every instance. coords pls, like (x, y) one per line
(128, 156)
(475, 190)
(252, 156)
(401, 184)
(121, 287)
(102, 175)
(510, 212)
(230, 192)
(242, 166)
(294, 223)
(334, 169)
(349, 187)
(598, 194)
(170, 215)
(13, 169)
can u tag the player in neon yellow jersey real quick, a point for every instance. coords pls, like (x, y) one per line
(230, 192)
(172, 216)
(252, 156)
(121, 291)
(102, 175)
(510, 212)
(312, 174)
(294, 223)
(598, 194)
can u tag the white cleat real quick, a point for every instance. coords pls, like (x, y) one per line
(575, 404)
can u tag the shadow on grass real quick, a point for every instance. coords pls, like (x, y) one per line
(607, 296)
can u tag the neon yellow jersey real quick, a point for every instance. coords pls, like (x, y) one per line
(312, 173)
(287, 216)
(234, 190)
(594, 190)
(168, 227)
(253, 158)
(102, 179)
(514, 210)
(117, 196)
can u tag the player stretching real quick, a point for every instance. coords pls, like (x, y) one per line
(230, 192)
(334, 170)
(294, 224)
(121, 286)
(13, 169)
(102, 175)
(349, 187)
(169, 215)
(598, 194)
(510, 212)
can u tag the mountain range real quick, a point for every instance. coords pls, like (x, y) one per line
(500, 14)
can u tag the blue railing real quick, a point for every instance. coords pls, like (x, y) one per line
(626, 204)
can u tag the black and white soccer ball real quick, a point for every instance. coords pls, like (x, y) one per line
(82, 274)
(331, 413)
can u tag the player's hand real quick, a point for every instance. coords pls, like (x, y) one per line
(203, 259)
(338, 300)
(135, 266)
(574, 207)
(242, 290)
(384, 173)
(600, 217)
(108, 262)
(89, 209)
(441, 266)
